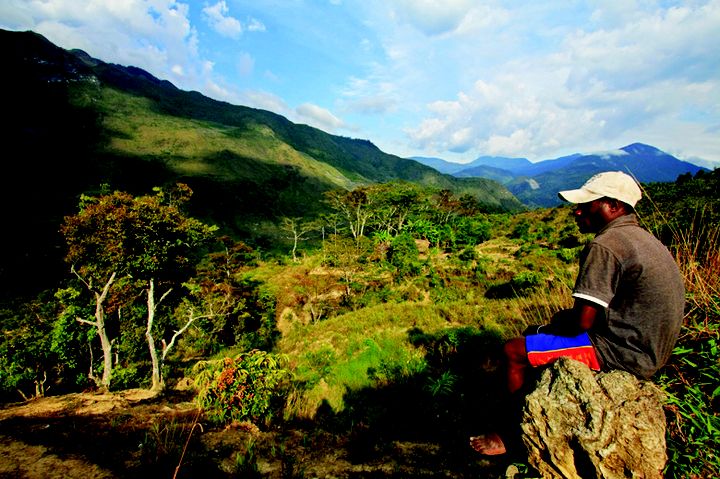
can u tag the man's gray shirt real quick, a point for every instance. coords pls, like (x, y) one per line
(631, 274)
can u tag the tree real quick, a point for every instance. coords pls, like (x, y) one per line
(446, 206)
(298, 229)
(163, 252)
(229, 306)
(95, 238)
(26, 355)
(357, 206)
(395, 202)
(146, 238)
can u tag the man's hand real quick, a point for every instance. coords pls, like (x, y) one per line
(564, 318)
(535, 329)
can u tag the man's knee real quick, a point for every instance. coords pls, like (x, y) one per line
(515, 351)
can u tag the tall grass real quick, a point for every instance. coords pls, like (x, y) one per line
(692, 377)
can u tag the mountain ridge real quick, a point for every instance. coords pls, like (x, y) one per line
(537, 184)
(74, 125)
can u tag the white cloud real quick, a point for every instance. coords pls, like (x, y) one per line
(255, 25)
(598, 87)
(609, 153)
(371, 105)
(319, 117)
(266, 101)
(432, 17)
(667, 44)
(482, 17)
(156, 35)
(369, 96)
(219, 20)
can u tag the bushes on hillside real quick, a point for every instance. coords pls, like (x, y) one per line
(247, 387)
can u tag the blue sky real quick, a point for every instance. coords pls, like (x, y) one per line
(454, 79)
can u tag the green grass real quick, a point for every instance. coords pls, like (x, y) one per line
(350, 351)
(186, 144)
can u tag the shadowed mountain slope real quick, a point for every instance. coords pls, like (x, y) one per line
(74, 124)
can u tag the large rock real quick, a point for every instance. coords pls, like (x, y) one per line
(579, 424)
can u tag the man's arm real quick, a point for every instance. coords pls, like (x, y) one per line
(570, 322)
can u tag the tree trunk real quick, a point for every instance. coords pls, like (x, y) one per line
(102, 332)
(157, 379)
(294, 249)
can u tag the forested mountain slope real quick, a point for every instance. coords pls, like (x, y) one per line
(74, 124)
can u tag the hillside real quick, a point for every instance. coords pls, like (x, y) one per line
(74, 124)
(365, 370)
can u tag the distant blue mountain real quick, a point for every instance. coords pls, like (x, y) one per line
(537, 184)
(484, 171)
(477, 167)
(443, 166)
(644, 162)
(513, 165)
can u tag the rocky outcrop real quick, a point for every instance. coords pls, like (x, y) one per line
(579, 424)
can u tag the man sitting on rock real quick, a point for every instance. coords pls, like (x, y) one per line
(629, 297)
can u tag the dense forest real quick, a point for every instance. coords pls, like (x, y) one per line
(388, 308)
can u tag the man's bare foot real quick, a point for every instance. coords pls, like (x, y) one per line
(488, 444)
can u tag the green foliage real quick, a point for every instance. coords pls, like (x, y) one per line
(384, 360)
(320, 361)
(468, 254)
(522, 230)
(443, 385)
(685, 215)
(568, 255)
(70, 340)
(119, 244)
(25, 356)
(692, 384)
(424, 228)
(472, 231)
(246, 387)
(404, 256)
(127, 377)
(246, 464)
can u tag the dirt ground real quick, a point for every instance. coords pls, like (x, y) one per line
(135, 434)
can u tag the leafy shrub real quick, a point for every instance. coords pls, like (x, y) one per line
(321, 360)
(25, 355)
(443, 385)
(521, 230)
(164, 442)
(468, 254)
(568, 255)
(526, 281)
(246, 387)
(128, 377)
(382, 237)
(404, 256)
(472, 231)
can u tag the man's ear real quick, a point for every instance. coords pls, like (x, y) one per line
(614, 204)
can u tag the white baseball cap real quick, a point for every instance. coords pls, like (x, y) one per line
(610, 184)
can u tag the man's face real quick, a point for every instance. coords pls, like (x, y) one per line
(590, 217)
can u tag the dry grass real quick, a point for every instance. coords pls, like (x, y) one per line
(698, 254)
